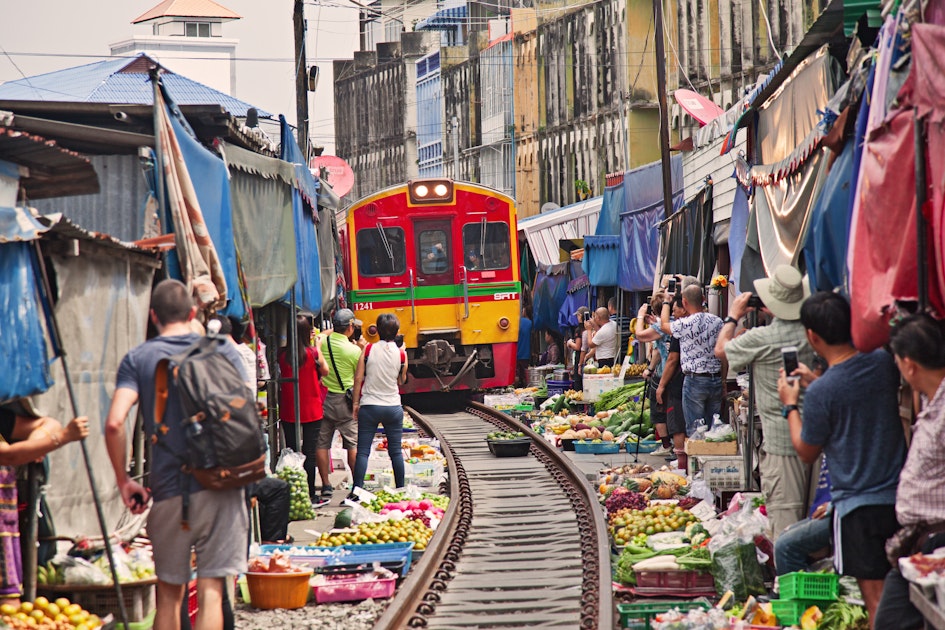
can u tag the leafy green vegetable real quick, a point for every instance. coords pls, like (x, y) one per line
(844, 616)
(619, 396)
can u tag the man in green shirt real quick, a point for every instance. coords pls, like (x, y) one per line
(342, 356)
(785, 479)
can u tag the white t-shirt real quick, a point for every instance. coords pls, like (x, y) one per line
(249, 364)
(697, 334)
(606, 341)
(381, 369)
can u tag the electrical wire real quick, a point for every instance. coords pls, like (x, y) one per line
(764, 12)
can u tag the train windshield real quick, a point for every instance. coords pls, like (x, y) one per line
(382, 251)
(434, 248)
(486, 246)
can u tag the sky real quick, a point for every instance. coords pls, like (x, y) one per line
(38, 36)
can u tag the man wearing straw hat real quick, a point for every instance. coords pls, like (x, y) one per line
(785, 478)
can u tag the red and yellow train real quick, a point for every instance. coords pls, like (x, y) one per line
(443, 257)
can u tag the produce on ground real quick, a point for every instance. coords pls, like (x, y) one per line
(383, 498)
(405, 530)
(278, 562)
(619, 396)
(625, 524)
(300, 506)
(505, 435)
(44, 614)
(844, 616)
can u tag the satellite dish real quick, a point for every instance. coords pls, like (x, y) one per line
(698, 106)
(340, 175)
(548, 207)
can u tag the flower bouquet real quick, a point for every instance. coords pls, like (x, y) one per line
(719, 282)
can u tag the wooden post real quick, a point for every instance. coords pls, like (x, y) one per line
(301, 78)
(664, 114)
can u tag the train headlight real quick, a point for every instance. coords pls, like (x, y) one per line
(504, 323)
(372, 330)
(429, 191)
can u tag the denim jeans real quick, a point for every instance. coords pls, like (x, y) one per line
(369, 416)
(702, 398)
(799, 541)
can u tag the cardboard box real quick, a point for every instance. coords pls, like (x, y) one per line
(597, 384)
(701, 447)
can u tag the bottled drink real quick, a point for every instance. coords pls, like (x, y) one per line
(199, 446)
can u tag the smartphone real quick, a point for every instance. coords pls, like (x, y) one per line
(671, 285)
(357, 334)
(649, 309)
(789, 356)
(587, 316)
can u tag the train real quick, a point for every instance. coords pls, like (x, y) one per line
(443, 256)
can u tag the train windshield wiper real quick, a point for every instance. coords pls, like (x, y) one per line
(482, 243)
(387, 247)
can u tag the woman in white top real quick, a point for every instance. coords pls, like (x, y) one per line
(381, 370)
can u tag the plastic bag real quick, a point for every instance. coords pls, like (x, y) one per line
(289, 469)
(735, 568)
(700, 430)
(79, 571)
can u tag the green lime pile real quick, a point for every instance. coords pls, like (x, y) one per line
(300, 506)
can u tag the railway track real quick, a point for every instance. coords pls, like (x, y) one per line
(522, 544)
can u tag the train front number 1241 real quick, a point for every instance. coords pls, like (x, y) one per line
(506, 296)
(363, 306)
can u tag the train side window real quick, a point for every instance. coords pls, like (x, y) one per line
(486, 246)
(434, 252)
(382, 252)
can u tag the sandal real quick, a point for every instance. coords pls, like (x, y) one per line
(326, 492)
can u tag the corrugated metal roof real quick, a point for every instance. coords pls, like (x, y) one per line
(111, 82)
(543, 231)
(53, 171)
(187, 8)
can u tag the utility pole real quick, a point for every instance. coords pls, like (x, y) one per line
(664, 114)
(301, 78)
(454, 123)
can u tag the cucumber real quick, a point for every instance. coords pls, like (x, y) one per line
(650, 437)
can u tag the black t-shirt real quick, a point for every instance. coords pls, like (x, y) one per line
(7, 423)
(674, 387)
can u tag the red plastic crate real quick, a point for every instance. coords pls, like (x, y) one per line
(674, 583)
(192, 601)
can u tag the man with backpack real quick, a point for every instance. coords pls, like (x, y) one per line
(184, 516)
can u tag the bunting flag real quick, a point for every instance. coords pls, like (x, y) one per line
(200, 266)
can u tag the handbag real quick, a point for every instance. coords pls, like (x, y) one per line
(349, 393)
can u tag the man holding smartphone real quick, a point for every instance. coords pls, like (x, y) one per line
(785, 478)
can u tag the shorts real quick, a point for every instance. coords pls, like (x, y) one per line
(218, 534)
(675, 418)
(338, 417)
(785, 482)
(657, 410)
(860, 541)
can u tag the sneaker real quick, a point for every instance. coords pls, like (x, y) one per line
(662, 450)
(352, 497)
(326, 492)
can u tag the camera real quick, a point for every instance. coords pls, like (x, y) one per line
(357, 334)
(755, 302)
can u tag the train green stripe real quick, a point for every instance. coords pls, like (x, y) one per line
(432, 293)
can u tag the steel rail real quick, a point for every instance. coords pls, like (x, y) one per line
(494, 597)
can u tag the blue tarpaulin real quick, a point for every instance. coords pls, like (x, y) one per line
(579, 294)
(549, 294)
(601, 259)
(639, 248)
(211, 185)
(22, 342)
(686, 237)
(608, 221)
(308, 287)
(826, 249)
(738, 234)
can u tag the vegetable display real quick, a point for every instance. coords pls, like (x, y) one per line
(619, 396)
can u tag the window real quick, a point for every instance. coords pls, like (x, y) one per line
(434, 250)
(381, 252)
(486, 246)
(197, 29)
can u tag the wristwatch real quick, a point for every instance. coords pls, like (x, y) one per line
(730, 319)
(787, 409)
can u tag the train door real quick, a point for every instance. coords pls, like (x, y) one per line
(434, 251)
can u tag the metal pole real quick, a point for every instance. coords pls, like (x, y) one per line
(159, 154)
(921, 193)
(57, 336)
(749, 453)
(301, 78)
(294, 362)
(454, 123)
(31, 551)
(664, 115)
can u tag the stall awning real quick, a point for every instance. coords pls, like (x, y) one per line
(601, 259)
(444, 19)
(544, 231)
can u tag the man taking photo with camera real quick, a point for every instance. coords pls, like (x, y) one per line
(785, 478)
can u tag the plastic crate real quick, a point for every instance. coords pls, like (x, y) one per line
(720, 472)
(809, 586)
(599, 448)
(395, 556)
(556, 388)
(350, 589)
(674, 584)
(567, 444)
(509, 448)
(646, 446)
(640, 615)
(597, 384)
(102, 601)
(789, 611)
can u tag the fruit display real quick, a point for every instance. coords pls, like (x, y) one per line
(506, 435)
(383, 498)
(44, 614)
(626, 523)
(405, 530)
(300, 506)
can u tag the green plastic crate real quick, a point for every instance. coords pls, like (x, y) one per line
(789, 611)
(806, 586)
(639, 616)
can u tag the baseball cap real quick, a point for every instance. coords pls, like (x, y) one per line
(343, 317)
(581, 310)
